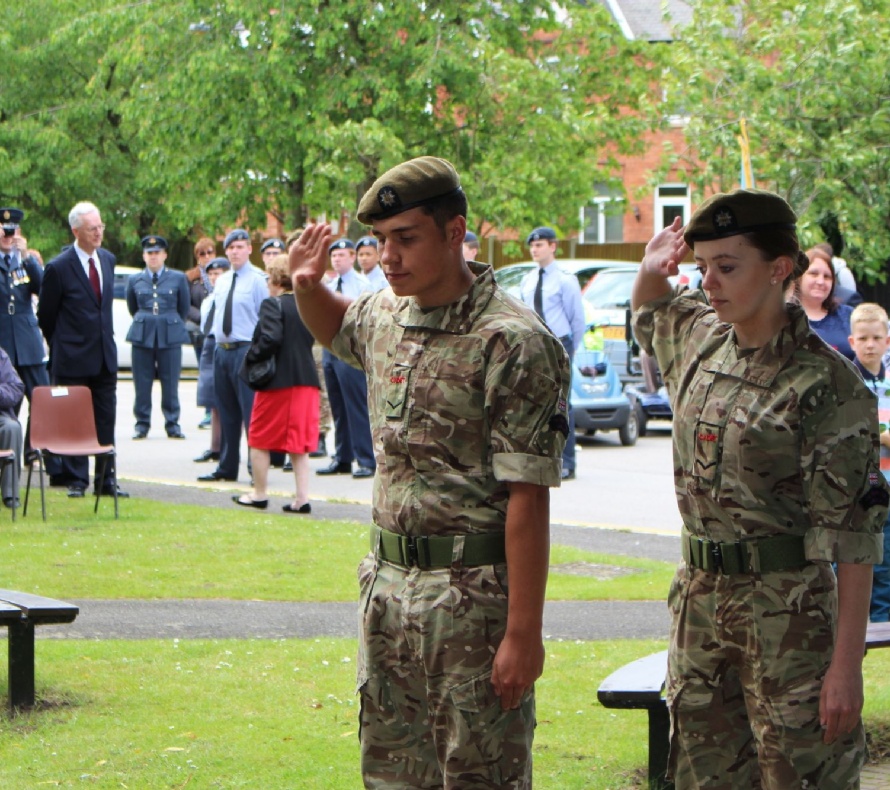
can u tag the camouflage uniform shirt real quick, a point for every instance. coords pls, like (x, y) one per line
(464, 399)
(779, 440)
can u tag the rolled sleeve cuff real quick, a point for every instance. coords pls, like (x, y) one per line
(833, 545)
(521, 468)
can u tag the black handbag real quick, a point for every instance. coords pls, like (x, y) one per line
(258, 375)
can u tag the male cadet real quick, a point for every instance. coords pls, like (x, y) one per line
(20, 279)
(369, 262)
(468, 398)
(556, 297)
(347, 390)
(471, 246)
(158, 299)
(237, 297)
(76, 318)
(271, 248)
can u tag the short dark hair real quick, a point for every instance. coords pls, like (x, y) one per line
(446, 208)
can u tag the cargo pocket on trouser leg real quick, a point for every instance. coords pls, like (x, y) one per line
(486, 747)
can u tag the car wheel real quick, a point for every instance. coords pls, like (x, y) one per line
(642, 419)
(629, 432)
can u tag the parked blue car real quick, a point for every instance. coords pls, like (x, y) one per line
(599, 402)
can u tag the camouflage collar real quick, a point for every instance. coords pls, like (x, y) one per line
(761, 367)
(459, 316)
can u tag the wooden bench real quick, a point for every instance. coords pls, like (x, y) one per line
(639, 685)
(21, 613)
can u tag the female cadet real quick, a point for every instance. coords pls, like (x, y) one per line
(776, 459)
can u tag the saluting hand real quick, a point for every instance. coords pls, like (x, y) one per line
(308, 257)
(665, 250)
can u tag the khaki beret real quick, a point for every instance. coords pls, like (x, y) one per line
(406, 186)
(741, 211)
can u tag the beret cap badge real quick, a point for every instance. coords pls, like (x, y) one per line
(724, 218)
(387, 198)
(6, 214)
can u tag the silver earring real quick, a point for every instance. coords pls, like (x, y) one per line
(773, 281)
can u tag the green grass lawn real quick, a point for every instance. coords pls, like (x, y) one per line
(159, 550)
(272, 714)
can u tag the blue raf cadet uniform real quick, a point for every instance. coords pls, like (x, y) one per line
(20, 279)
(159, 303)
(555, 296)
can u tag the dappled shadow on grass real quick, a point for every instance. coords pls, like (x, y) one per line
(877, 736)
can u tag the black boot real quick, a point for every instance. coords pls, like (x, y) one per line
(322, 449)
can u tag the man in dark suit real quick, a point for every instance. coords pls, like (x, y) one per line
(75, 315)
(158, 299)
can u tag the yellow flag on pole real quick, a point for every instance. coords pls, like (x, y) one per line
(746, 177)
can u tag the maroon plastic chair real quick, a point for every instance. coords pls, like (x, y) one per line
(62, 423)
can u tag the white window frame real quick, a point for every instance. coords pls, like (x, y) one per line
(662, 202)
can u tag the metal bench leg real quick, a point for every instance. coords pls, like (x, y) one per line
(659, 745)
(21, 664)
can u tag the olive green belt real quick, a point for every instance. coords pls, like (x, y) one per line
(437, 551)
(756, 555)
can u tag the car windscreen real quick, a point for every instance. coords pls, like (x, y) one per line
(610, 290)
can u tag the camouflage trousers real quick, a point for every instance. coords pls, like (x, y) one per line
(747, 659)
(324, 405)
(429, 715)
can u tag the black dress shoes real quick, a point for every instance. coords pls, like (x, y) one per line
(109, 491)
(75, 492)
(175, 434)
(207, 455)
(307, 508)
(363, 471)
(212, 477)
(336, 468)
(139, 435)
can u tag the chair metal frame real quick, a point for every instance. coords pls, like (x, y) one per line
(7, 458)
(63, 423)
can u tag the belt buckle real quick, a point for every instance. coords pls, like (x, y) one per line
(717, 557)
(413, 544)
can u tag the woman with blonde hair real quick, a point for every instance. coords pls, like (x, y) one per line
(285, 413)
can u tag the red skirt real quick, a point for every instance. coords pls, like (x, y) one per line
(285, 420)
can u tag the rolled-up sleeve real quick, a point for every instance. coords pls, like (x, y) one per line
(527, 396)
(847, 493)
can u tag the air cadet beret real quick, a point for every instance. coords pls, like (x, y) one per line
(153, 243)
(470, 237)
(341, 244)
(741, 211)
(541, 234)
(406, 186)
(218, 263)
(11, 218)
(239, 234)
(366, 241)
(275, 244)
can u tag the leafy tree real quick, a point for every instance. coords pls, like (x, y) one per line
(812, 81)
(198, 114)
